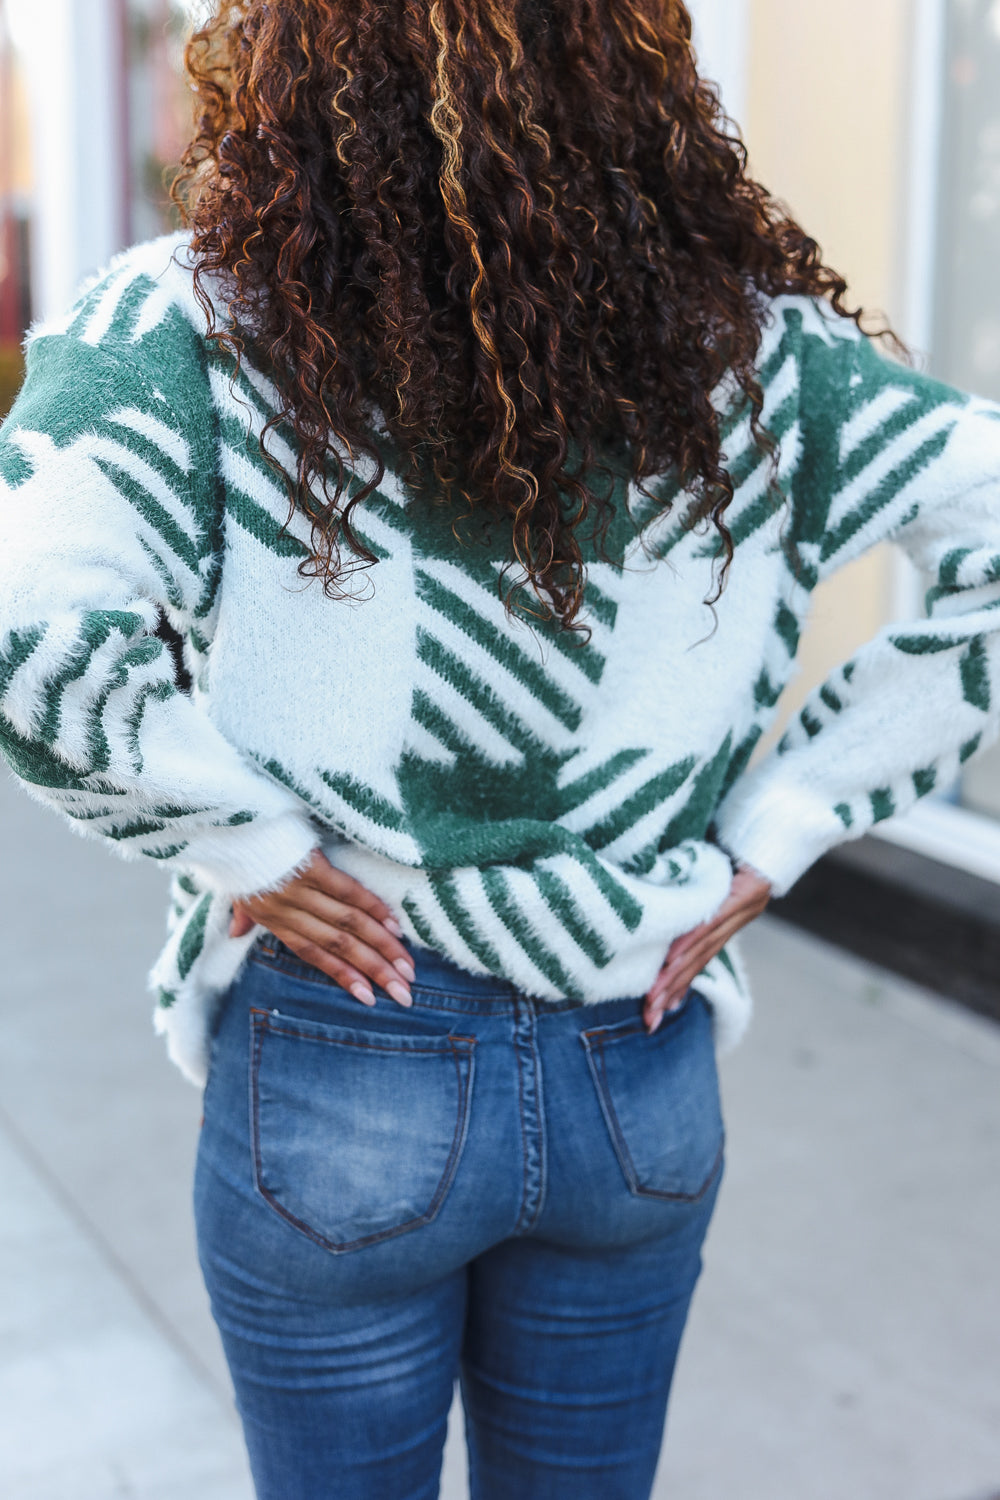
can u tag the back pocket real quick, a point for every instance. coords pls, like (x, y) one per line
(659, 1096)
(357, 1134)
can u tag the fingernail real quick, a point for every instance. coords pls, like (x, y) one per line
(393, 926)
(363, 993)
(400, 993)
(657, 1023)
(407, 970)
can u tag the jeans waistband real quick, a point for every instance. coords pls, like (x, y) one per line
(438, 977)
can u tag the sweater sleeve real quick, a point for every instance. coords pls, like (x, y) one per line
(890, 454)
(109, 515)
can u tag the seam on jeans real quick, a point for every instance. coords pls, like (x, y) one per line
(520, 1111)
(542, 1136)
(381, 1044)
(255, 1039)
(464, 1107)
(272, 959)
(260, 1021)
(598, 1071)
(623, 1028)
(597, 1032)
(525, 1219)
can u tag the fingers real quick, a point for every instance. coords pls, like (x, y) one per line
(359, 924)
(672, 984)
(674, 974)
(347, 957)
(343, 957)
(337, 925)
(684, 944)
(342, 887)
(241, 922)
(690, 954)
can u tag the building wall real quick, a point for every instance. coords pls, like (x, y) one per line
(821, 93)
(825, 123)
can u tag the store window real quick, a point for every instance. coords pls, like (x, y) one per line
(15, 216)
(966, 350)
(967, 312)
(94, 114)
(157, 106)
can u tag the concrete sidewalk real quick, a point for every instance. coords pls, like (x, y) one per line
(845, 1341)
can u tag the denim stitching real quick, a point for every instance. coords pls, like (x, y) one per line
(260, 1021)
(520, 1111)
(599, 1074)
(418, 1221)
(504, 999)
(421, 1044)
(542, 1136)
(502, 1004)
(622, 1028)
(256, 1034)
(596, 1065)
(532, 1139)
(465, 1101)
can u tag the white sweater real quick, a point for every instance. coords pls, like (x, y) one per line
(533, 809)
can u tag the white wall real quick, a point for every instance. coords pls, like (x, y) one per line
(721, 37)
(920, 217)
(70, 49)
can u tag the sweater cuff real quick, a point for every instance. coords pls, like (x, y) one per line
(778, 827)
(251, 857)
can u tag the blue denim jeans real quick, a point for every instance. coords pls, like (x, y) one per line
(487, 1187)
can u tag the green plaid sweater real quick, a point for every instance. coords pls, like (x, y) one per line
(535, 809)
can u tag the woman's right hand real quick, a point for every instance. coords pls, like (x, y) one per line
(335, 924)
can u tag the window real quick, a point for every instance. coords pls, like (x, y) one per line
(15, 203)
(157, 106)
(966, 314)
(967, 301)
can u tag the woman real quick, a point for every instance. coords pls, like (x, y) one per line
(483, 438)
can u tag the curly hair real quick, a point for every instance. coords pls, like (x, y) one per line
(520, 232)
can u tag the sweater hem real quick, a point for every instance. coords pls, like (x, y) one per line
(253, 857)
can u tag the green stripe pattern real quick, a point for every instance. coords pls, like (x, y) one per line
(544, 794)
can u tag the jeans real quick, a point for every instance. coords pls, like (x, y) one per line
(486, 1187)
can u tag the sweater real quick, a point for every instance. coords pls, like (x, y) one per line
(545, 809)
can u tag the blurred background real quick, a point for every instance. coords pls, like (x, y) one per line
(845, 1340)
(877, 121)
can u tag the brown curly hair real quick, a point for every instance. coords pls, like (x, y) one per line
(521, 231)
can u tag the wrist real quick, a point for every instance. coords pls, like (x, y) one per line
(736, 864)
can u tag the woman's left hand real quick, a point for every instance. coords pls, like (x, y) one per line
(688, 955)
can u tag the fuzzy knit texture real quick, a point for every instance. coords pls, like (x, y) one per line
(534, 808)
